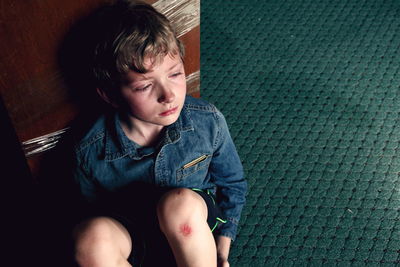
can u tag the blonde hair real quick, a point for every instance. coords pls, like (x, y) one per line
(131, 32)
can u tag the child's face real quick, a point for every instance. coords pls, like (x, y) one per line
(156, 97)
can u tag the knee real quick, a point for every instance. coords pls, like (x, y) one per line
(92, 237)
(180, 210)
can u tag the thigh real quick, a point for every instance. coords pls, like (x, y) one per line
(214, 213)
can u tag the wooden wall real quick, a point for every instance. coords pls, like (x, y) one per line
(32, 83)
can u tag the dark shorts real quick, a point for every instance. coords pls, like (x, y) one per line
(136, 211)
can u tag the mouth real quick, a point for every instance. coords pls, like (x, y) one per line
(169, 112)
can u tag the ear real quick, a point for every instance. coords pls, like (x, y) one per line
(106, 98)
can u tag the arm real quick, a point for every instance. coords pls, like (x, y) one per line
(86, 185)
(227, 174)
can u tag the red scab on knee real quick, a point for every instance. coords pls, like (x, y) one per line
(185, 230)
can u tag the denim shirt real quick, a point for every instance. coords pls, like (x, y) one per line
(197, 151)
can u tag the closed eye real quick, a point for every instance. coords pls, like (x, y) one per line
(141, 89)
(176, 74)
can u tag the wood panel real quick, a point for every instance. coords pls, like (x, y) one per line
(30, 82)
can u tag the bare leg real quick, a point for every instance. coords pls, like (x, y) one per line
(102, 241)
(182, 215)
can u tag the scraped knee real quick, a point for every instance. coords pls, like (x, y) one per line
(185, 229)
(180, 210)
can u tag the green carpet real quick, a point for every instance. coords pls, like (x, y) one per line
(310, 90)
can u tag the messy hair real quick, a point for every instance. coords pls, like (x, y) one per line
(131, 31)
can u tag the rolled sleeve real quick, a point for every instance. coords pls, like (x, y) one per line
(227, 174)
(84, 182)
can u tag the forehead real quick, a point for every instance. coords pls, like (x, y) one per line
(153, 63)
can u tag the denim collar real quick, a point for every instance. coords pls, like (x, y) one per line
(118, 145)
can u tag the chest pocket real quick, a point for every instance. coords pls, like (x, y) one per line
(194, 166)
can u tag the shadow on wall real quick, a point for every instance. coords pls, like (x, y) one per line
(57, 196)
(75, 58)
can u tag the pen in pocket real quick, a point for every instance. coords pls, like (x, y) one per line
(194, 162)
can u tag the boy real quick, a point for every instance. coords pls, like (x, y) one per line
(152, 168)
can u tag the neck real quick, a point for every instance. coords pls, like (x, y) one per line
(142, 133)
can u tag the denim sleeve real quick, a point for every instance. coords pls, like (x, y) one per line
(86, 185)
(227, 174)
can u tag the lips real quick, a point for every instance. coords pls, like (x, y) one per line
(168, 112)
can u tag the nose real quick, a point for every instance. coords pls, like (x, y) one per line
(166, 95)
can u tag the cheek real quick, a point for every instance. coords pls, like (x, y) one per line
(182, 86)
(140, 107)
(135, 104)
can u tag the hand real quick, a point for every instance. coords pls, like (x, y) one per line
(223, 263)
(223, 245)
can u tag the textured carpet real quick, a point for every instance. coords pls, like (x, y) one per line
(310, 90)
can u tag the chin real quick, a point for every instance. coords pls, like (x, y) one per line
(165, 121)
(169, 121)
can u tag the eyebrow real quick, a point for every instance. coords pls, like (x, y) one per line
(174, 66)
(143, 77)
